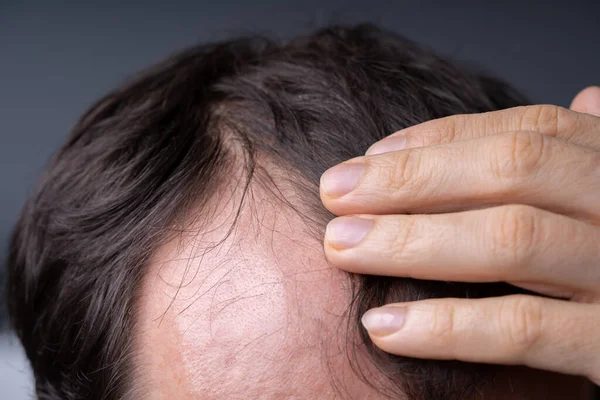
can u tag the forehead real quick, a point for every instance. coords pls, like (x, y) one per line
(250, 311)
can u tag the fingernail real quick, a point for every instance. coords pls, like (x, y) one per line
(346, 232)
(341, 179)
(393, 143)
(384, 321)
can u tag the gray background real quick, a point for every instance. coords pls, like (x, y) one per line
(56, 58)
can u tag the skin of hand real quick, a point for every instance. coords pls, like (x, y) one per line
(512, 196)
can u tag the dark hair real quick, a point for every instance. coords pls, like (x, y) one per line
(148, 151)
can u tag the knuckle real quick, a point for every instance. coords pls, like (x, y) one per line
(521, 320)
(438, 131)
(405, 173)
(545, 118)
(448, 128)
(401, 239)
(518, 155)
(442, 327)
(514, 231)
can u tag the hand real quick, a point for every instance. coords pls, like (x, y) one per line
(511, 196)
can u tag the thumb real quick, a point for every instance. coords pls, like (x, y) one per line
(587, 101)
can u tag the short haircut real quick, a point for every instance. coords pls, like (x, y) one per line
(164, 141)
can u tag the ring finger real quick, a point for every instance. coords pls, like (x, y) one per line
(525, 246)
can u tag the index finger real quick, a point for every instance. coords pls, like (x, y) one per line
(579, 128)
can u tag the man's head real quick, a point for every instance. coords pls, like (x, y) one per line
(173, 247)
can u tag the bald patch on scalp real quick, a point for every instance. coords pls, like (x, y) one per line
(245, 307)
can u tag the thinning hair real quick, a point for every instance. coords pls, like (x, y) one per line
(164, 141)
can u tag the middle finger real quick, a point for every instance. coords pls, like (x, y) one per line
(514, 167)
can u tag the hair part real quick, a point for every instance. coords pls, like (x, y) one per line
(149, 151)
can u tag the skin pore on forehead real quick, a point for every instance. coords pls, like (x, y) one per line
(255, 312)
